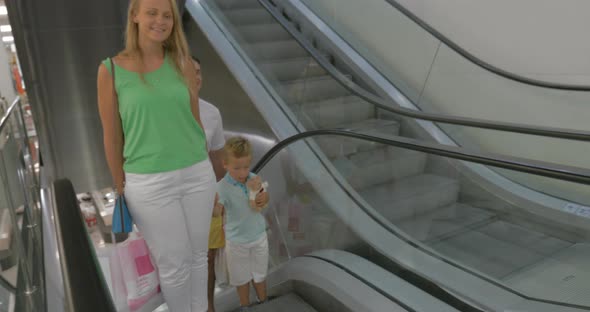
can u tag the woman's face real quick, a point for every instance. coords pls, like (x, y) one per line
(154, 20)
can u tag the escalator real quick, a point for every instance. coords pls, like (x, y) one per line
(494, 231)
(330, 250)
(369, 211)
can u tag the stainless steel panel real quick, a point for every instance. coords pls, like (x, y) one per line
(60, 45)
(58, 14)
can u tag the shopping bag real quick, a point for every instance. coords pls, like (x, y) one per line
(134, 276)
(221, 272)
(122, 221)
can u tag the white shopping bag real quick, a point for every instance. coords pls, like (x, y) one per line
(135, 282)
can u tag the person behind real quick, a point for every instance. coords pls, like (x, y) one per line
(155, 147)
(245, 227)
(213, 124)
(215, 142)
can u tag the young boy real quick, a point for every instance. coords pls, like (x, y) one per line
(245, 227)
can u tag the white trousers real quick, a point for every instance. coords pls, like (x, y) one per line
(247, 262)
(173, 212)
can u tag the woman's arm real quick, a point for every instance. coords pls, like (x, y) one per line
(217, 162)
(111, 127)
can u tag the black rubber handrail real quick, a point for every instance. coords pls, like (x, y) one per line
(562, 133)
(84, 285)
(481, 63)
(540, 168)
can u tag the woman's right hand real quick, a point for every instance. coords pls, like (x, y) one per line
(120, 188)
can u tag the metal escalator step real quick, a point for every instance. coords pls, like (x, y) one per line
(311, 89)
(337, 112)
(275, 50)
(241, 17)
(500, 249)
(444, 222)
(563, 277)
(334, 146)
(238, 4)
(382, 165)
(287, 303)
(292, 69)
(412, 196)
(263, 32)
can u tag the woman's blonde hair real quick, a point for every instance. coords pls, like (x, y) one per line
(176, 46)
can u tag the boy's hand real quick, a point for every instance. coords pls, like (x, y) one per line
(254, 184)
(261, 200)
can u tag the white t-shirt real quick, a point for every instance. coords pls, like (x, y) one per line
(211, 119)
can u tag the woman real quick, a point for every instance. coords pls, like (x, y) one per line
(156, 148)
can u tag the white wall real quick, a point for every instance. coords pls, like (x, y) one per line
(546, 39)
(6, 86)
(404, 53)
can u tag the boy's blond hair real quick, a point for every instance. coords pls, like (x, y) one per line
(237, 147)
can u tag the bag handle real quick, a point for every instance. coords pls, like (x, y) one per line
(116, 113)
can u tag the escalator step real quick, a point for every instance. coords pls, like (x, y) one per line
(238, 4)
(287, 303)
(292, 69)
(275, 50)
(264, 32)
(243, 17)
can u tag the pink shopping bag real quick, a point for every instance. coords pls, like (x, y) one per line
(135, 278)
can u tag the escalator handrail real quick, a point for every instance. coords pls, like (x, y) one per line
(84, 286)
(562, 133)
(481, 63)
(540, 168)
(6, 117)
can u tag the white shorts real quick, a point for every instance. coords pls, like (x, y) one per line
(246, 262)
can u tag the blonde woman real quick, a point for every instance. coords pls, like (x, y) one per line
(155, 147)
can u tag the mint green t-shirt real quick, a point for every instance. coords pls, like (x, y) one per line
(242, 224)
(161, 133)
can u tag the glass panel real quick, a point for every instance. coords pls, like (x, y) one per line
(464, 213)
(21, 261)
(437, 79)
(306, 92)
(508, 234)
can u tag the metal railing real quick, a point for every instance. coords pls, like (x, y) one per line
(20, 197)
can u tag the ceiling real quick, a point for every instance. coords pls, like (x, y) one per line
(4, 21)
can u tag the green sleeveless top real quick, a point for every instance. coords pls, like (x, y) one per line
(161, 133)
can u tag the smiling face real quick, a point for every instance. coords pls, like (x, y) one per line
(155, 20)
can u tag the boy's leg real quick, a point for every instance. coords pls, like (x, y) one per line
(211, 279)
(238, 266)
(259, 268)
(260, 289)
(244, 294)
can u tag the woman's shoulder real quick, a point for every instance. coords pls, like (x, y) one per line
(119, 59)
